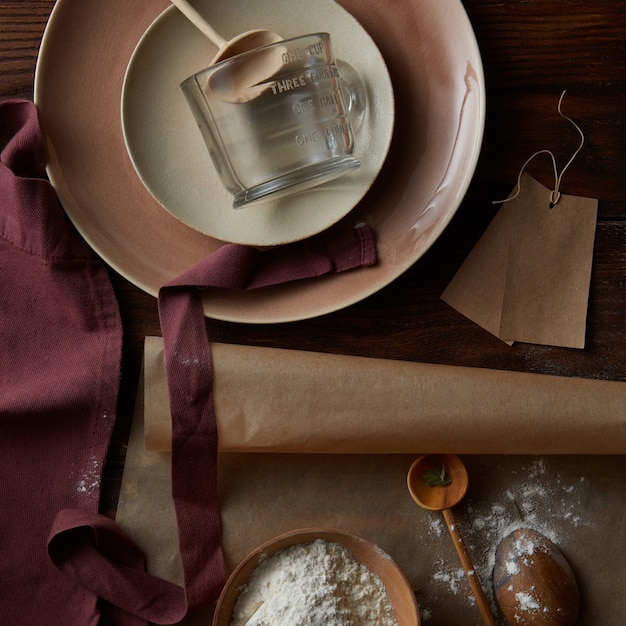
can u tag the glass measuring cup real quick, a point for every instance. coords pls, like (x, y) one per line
(277, 119)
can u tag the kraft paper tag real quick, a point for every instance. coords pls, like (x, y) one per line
(528, 277)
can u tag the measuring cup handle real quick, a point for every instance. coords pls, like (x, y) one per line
(354, 93)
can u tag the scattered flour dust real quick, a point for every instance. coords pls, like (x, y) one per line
(536, 498)
(313, 584)
(88, 483)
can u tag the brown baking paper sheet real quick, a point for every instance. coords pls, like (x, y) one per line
(273, 400)
(577, 501)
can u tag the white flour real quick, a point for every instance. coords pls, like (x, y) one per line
(314, 584)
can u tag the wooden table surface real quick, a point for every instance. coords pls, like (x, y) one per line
(532, 50)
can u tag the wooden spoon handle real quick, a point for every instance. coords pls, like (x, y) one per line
(199, 22)
(472, 578)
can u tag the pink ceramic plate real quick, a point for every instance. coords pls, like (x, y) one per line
(435, 66)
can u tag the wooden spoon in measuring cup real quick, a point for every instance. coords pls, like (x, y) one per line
(437, 482)
(248, 40)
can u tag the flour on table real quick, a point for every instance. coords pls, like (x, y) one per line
(537, 497)
(313, 584)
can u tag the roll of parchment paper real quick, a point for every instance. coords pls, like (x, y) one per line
(274, 400)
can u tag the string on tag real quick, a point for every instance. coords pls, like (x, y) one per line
(555, 194)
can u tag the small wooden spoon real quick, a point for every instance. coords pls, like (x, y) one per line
(533, 582)
(248, 40)
(442, 497)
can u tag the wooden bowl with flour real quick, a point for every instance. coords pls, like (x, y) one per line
(316, 574)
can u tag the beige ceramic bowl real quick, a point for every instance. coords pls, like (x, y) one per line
(398, 588)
